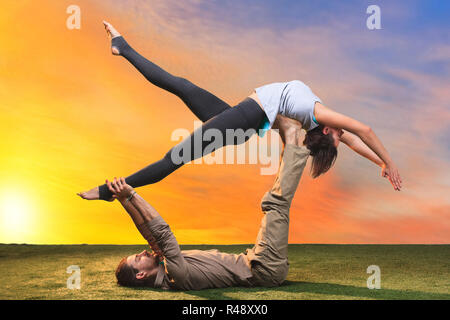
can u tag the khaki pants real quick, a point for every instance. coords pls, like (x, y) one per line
(269, 257)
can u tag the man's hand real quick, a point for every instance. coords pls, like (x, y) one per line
(119, 188)
(289, 129)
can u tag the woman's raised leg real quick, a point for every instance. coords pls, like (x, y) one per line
(202, 103)
(214, 112)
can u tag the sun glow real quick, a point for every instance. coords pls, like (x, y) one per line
(15, 213)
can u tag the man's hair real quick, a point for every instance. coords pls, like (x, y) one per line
(126, 276)
(322, 149)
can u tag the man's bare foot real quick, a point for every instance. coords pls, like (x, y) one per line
(112, 33)
(92, 194)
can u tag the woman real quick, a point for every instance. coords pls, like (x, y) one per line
(325, 127)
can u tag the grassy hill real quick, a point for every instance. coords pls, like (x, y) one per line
(316, 272)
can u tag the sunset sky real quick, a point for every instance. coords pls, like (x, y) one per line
(73, 115)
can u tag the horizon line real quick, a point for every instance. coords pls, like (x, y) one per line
(233, 244)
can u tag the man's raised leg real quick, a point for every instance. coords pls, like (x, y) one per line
(269, 257)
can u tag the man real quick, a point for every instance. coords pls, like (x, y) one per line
(266, 264)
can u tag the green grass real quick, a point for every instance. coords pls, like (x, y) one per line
(316, 272)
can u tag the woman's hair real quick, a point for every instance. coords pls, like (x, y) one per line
(322, 149)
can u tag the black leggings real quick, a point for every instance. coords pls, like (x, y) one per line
(215, 113)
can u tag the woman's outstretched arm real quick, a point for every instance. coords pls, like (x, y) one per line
(331, 118)
(357, 145)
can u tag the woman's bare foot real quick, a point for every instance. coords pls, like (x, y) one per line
(92, 194)
(112, 33)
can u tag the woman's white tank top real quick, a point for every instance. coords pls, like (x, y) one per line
(292, 99)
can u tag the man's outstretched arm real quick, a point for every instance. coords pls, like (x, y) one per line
(140, 217)
(153, 224)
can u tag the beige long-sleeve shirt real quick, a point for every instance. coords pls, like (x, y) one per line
(196, 269)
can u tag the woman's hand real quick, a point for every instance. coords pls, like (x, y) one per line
(391, 172)
(119, 188)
